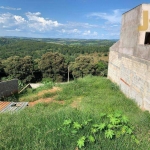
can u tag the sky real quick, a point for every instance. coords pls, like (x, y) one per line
(79, 19)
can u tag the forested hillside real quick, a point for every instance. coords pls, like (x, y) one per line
(30, 60)
(22, 47)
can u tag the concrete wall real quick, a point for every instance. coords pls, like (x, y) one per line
(129, 59)
(8, 87)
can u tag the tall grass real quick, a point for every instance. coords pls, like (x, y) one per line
(37, 127)
(32, 94)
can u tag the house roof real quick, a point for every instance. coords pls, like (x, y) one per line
(32, 85)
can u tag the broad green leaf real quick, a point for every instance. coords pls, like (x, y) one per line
(102, 126)
(109, 133)
(95, 125)
(89, 120)
(137, 141)
(76, 125)
(118, 114)
(110, 126)
(129, 131)
(91, 139)
(74, 131)
(133, 137)
(67, 122)
(114, 120)
(93, 130)
(110, 115)
(81, 141)
(124, 119)
(86, 122)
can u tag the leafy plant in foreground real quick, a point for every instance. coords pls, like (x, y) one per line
(112, 125)
(81, 141)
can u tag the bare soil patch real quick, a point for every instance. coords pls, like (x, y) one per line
(53, 90)
(75, 103)
(46, 100)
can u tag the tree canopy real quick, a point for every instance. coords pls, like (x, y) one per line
(30, 60)
(21, 68)
(53, 66)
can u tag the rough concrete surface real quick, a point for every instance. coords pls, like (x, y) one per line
(129, 58)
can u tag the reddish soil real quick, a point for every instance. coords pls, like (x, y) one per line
(46, 100)
(53, 90)
(75, 104)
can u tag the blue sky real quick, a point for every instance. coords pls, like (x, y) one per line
(84, 19)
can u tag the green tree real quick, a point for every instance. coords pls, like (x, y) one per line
(20, 68)
(53, 66)
(101, 68)
(27, 68)
(82, 66)
(2, 72)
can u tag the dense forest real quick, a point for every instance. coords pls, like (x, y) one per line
(31, 60)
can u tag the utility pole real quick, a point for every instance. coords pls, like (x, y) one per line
(68, 73)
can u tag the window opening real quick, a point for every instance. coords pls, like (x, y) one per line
(147, 38)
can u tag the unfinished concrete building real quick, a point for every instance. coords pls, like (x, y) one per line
(129, 58)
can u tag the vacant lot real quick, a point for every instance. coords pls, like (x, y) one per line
(73, 119)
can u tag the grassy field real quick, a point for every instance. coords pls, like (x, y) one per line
(67, 126)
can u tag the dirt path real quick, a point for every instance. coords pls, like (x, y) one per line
(53, 90)
(46, 100)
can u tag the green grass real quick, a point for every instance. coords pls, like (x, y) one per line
(31, 95)
(37, 127)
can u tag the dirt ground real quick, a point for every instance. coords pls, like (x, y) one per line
(46, 100)
(74, 104)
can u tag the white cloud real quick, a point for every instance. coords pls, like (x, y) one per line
(115, 25)
(114, 17)
(16, 30)
(110, 22)
(36, 24)
(39, 23)
(4, 17)
(73, 31)
(9, 8)
(89, 33)
(95, 33)
(114, 34)
(82, 25)
(33, 22)
(33, 16)
(8, 20)
(19, 19)
(78, 33)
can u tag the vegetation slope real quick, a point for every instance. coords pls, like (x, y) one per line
(71, 125)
